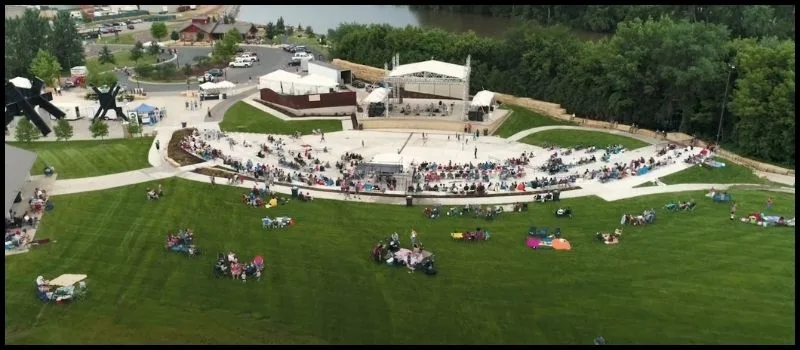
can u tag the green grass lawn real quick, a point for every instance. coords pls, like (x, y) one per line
(242, 117)
(732, 173)
(646, 184)
(524, 119)
(77, 159)
(690, 278)
(121, 59)
(122, 39)
(572, 138)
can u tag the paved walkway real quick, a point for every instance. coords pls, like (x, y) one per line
(161, 169)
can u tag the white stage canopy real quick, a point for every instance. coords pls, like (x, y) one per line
(379, 95)
(436, 67)
(284, 82)
(483, 98)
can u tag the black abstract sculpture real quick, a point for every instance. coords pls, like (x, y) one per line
(108, 101)
(21, 101)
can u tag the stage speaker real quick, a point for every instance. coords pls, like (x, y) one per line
(476, 116)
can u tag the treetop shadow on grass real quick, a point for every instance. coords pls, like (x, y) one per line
(523, 119)
(572, 138)
(87, 158)
(320, 285)
(242, 117)
(732, 173)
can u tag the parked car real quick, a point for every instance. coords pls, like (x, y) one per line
(216, 72)
(240, 64)
(299, 56)
(206, 77)
(131, 26)
(138, 20)
(248, 58)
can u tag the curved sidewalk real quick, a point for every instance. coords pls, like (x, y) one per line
(522, 134)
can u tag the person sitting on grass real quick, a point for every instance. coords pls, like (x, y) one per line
(151, 194)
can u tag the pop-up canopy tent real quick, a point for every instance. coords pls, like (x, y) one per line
(484, 98)
(147, 114)
(378, 95)
(22, 83)
(208, 86)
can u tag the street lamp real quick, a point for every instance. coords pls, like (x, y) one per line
(724, 101)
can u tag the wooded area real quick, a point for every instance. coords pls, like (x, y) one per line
(741, 20)
(661, 74)
(27, 34)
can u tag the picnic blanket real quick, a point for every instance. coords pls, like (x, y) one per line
(404, 253)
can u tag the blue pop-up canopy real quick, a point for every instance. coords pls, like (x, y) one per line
(145, 109)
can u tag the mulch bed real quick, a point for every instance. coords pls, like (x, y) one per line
(177, 153)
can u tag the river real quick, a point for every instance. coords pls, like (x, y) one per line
(322, 18)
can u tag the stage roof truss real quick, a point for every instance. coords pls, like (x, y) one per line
(425, 78)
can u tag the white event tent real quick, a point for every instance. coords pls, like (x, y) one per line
(378, 95)
(483, 98)
(287, 83)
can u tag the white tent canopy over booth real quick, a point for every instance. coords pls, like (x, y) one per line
(432, 73)
(287, 83)
(378, 95)
(483, 98)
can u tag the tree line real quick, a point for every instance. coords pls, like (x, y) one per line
(663, 74)
(27, 35)
(742, 20)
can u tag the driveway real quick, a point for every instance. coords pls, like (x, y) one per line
(271, 59)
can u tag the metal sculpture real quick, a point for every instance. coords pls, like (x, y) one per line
(108, 101)
(21, 100)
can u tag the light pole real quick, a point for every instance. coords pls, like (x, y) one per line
(724, 101)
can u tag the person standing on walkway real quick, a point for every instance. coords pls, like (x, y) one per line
(209, 112)
(187, 105)
(476, 152)
(213, 180)
(733, 211)
(158, 145)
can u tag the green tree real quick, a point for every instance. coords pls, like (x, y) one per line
(200, 36)
(98, 128)
(137, 51)
(24, 36)
(280, 26)
(134, 128)
(63, 130)
(145, 70)
(299, 27)
(174, 35)
(26, 131)
(46, 67)
(158, 30)
(66, 43)
(270, 31)
(106, 56)
(764, 99)
(226, 48)
(289, 31)
(323, 40)
(154, 49)
(309, 32)
(100, 79)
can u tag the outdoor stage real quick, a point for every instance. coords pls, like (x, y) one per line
(453, 121)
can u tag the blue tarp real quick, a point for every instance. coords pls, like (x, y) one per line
(643, 170)
(145, 109)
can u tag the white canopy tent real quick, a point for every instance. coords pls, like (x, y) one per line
(483, 98)
(287, 83)
(22, 83)
(208, 86)
(225, 85)
(379, 95)
(442, 69)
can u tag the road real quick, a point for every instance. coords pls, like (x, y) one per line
(271, 59)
